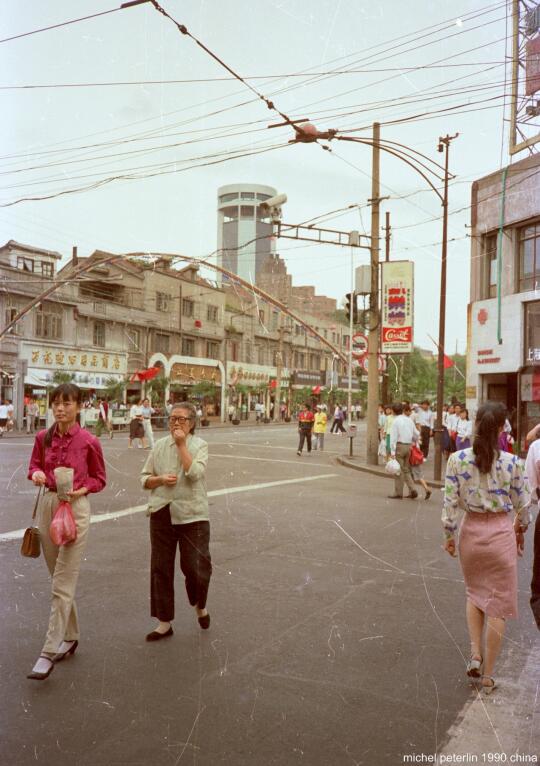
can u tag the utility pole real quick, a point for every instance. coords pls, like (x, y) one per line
(444, 146)
(279, 370)
(387, 230)
(373, 338)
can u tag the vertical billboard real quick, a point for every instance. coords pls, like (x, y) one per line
(397, 307)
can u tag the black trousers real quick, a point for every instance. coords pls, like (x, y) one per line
(193, 541)
(425, 433)
(535, 584)
(305, 436)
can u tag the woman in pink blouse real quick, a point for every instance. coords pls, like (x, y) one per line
(490, 486)
(65, 444)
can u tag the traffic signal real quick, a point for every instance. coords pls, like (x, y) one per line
(350, 302)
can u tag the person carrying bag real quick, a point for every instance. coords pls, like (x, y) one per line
(67, 464)
(31, 544)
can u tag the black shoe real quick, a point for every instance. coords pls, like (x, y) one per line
(395, 497)
(155, 636)
(204, 622)
(428, 495)
(61, 655)
(35, 676)
(299, 453)
(412, 496)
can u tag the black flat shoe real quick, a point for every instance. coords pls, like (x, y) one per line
(204, 622)
(395, 497)
(412, 496)
(35, 676)
(61, 655)
(155, 636)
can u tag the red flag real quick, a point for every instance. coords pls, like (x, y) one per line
(448, 362)
(148, 374)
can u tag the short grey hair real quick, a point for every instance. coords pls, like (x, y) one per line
(190, 408)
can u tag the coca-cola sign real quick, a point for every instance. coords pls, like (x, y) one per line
(397, 334)
(397, 307)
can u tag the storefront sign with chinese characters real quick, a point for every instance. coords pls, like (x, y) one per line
(533, 356)
(190, 374)
(397, 307)
(253, 375)
(73, 359)
(91, 380)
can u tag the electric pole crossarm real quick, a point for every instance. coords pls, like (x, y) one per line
(320, 236)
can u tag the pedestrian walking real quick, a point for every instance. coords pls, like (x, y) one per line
(104, 418)
(339, 417)
(175, 475)
(3, 417)
(388, 423)
(259, 412)
(464, 431)
(417, 470)
(10, 425)
(66, 445)
(305, 426)
(452, 424)
(425, 421)
(489, 485)
(32, 415)
(532, 470)
(402, 436)
(448, 410)
(147, 412)
(231, 411)
(136, 425)
(319, 428)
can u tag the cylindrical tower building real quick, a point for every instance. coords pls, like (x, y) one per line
(241, 220)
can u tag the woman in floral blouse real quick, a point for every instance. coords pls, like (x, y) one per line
(489, 485)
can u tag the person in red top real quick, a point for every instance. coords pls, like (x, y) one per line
(64, 444)
(305, 427)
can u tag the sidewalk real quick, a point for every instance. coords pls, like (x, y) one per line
(358, 463)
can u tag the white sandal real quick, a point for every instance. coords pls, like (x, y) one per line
(474, 667)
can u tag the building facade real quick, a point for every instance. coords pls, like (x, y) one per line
(504, 314)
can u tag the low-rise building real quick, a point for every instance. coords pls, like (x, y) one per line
(503, 361)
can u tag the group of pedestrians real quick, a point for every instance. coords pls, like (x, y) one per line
(174, 475)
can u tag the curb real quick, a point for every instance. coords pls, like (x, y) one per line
(378, 471)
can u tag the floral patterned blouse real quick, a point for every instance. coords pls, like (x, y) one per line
(505, 488)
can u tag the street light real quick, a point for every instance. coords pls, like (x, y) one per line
(424, 166)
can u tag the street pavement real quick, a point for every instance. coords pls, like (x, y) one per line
(338, 633)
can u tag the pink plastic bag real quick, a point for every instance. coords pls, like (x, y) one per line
(63, 529)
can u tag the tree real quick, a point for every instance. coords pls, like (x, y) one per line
(114, 389)
(60, 376)
(157, 389)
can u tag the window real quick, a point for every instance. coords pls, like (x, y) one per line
(212, 349)
(275, 320)
(212, 313)
(188, 347)
(490, 260)
(315, 362)
(134, 339)
(298, 329)
(247, 195)
(47, 269)
(228, 197)
(163, 302)
(246, 211)
(261, 356)
(11, 313)
(25, 264)
(529, 257)
(299, 360)
(188, 307)
(262, 197)
(162, 342)
(99, 334)
(235, 349)
(230, 214)
(261, 316)
(249, 351)
(49, 322)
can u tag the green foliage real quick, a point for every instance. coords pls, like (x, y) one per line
(413, 377)
(203, 388)
(60, 376)
(114, 389)
(156, 389)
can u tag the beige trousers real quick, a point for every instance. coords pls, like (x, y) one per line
(402, 456)
(64, 563)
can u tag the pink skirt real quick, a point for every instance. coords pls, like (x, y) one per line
(488, 555)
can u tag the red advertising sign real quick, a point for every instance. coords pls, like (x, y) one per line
(532, 67)
(397, 335)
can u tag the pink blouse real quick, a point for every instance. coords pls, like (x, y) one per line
(77, 449)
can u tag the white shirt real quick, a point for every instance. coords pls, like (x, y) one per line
(135, 412)
(424, 418)
(532, 467)
(404, 431)
(3, 411)
(452, 421)
(464, 429)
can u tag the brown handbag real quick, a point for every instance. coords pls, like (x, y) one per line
(31, 544)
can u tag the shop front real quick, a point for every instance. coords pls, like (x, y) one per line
(194, 378)
(90, 370)
(529, 410)
(251, 384)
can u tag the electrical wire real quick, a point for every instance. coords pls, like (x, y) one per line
(57, 26)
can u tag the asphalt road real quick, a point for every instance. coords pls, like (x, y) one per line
(338, 633)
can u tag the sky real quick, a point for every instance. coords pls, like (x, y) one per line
(439, 66)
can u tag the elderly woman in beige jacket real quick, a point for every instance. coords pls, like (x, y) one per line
(175, 474)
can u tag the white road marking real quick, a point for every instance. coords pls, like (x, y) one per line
(263, 446)
(267, 459)
(17, 534)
